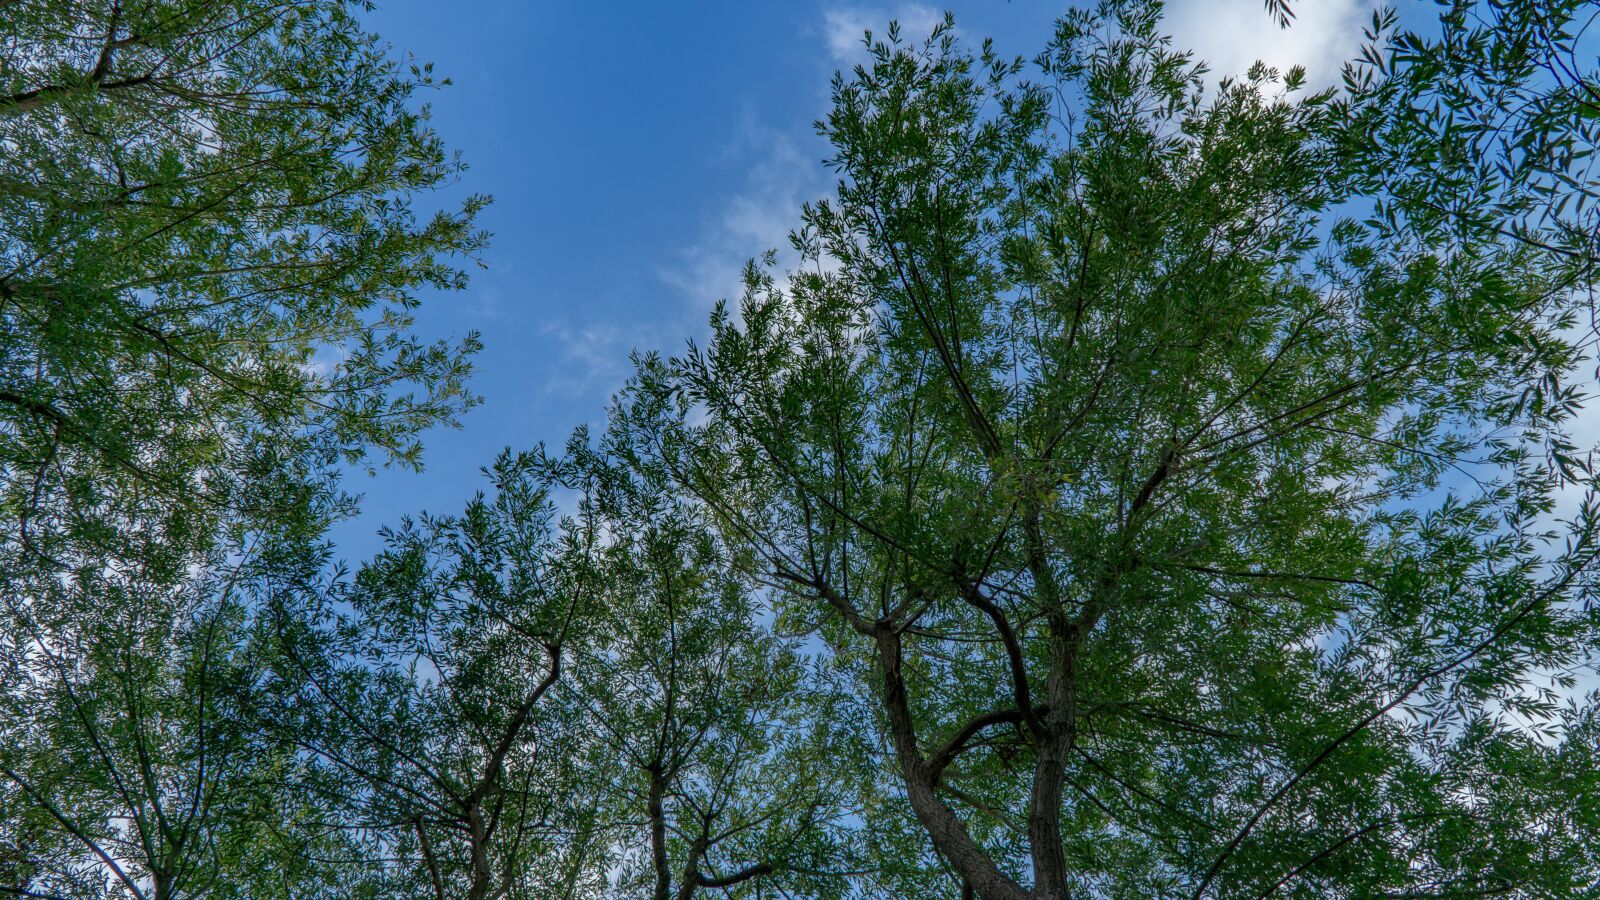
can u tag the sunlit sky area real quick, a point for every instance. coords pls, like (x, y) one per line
(638, 157)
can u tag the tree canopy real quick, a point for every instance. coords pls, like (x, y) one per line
(212, 245)
(1142, 486)
(1186, 532)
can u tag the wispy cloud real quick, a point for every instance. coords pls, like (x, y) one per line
(779, 172)
(1231, 35)
(844, 26)
(778, 178)
(594, 356)
(487, 301)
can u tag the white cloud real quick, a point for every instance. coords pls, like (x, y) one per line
(487, 301)
(594, 357)
(1231, 35)
(844, 26)
(778, 180)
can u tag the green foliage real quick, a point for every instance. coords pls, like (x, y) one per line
(507, 702)
(428, 691)
(716, 727)
(210, 256)
(1139, 489)
(210, 249)
(126, 769)
(1192, 530)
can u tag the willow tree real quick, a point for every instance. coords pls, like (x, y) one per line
(723, 774)
(428, 690)
(512, 703)
(128, 771)
(1190, 499)
(210, 253)
(210, 247)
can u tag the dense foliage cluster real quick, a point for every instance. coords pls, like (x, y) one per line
(1143, 487)
(210, 252)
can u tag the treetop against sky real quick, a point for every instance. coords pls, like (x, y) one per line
(921, 466)
(690, 151)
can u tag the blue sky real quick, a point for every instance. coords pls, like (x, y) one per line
(639, 153)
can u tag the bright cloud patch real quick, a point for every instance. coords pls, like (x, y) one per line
(1231, 35)
(843, 27)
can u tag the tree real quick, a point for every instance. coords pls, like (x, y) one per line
(716, 731)
(1193, 505)
(429, 689)
(1482, 125)
(1141, 489)
(210, 255)
(210, 247)
(511, 705)
(127, 767)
